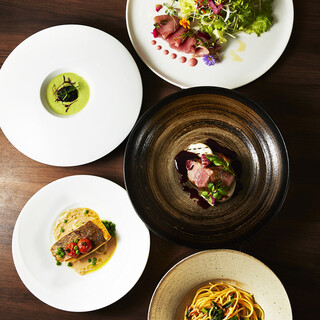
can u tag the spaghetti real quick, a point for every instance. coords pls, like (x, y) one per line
(222, 301)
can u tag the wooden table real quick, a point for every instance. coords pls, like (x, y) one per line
(289, 92)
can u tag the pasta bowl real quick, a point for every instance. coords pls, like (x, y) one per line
(177, 288)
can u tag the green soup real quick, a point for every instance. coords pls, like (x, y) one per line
(67, 93)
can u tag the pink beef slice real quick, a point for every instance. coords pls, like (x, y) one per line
(188, 45)
(227, 179)
(176, 38)
(199, 175)
(189, 164)
(167, 25)
(201, 51)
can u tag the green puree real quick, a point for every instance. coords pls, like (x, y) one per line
(67, 93)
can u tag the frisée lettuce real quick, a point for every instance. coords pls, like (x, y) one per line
(228, 17)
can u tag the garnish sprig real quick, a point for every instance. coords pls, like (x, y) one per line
(218, 161)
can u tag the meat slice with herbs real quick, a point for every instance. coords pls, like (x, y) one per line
(166, 25)
(213, 176)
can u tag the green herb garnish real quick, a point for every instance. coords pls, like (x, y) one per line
(219, 162)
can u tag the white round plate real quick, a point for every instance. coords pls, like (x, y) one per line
(113, 108)
(178, 287)
(258, 57)
(59, 286)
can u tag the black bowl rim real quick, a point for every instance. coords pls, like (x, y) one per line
(233, 94)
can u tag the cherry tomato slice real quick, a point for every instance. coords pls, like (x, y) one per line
(84, 245)
(71, 251)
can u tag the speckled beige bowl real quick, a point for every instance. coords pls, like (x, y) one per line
(177, 288)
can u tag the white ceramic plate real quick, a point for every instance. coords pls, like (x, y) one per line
(178, 286)
(60, 286)
(258, 57)
(114, 104)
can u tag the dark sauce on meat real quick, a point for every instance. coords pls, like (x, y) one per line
(180, 161)
(193, 194)
(182, 157)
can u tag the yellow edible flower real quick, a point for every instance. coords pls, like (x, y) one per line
(185, 23)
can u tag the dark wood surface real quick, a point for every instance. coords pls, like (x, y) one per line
(289, 92)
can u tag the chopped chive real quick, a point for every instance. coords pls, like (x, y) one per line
(58, 263)
(76, 247)
(77, 252)
(69, 264)
(86, 211)
(94, 259)
(89, 260)
(93, 263)
(75, 240)
(61, 230)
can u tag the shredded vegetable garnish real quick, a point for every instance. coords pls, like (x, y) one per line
(214, 21)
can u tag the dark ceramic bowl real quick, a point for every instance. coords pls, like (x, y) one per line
(194, 115)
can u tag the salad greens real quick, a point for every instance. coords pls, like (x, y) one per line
(220, 18)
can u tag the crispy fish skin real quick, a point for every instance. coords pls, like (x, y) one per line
(93, 230)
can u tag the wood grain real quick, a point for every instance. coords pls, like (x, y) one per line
(289, 92)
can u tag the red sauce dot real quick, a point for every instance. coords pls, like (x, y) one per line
(153, 42)
(173, 56)
(159, 47)
(183, 59)
(165, 52)
(192, 62)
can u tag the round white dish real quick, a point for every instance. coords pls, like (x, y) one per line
(60, 286)
(258, 57)
(179, 285)
(113, 108)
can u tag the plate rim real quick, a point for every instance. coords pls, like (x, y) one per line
(19, 266)
(217, 91)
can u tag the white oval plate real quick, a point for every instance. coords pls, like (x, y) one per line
(60, 286)
(259, 56)
(113, 108)
(237, 268)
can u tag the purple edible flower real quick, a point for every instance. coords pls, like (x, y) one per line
(209, 60)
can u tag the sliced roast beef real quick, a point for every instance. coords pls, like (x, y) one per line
(227, 179)
(199, 175)
(188, 45)
(166, 25)
(176, 38)
(201, 51)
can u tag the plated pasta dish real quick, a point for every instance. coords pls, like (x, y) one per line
(223, 301)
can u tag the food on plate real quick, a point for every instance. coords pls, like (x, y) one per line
(67, 93)
(200, 27)
(83, 241)
(222, 301)
(210, 172)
